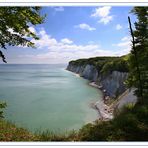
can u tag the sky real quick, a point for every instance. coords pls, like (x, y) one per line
(71, 33)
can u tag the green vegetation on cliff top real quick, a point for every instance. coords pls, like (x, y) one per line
(105, 64)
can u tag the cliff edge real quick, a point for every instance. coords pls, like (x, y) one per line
(107, 72)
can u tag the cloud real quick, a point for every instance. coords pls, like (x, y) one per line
(118, 27)
(85, 27)
(65, 50)
(103, 14)
(124, 45)
(64, 44)
(66, 41)
(126, 38)
(32, 29)
(125, 42)
(57, 56)
(45, 40)
(106, 20)
(59, 8)
(101, 11)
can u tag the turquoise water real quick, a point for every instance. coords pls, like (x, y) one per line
(43, 97)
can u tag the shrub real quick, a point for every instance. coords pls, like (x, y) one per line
(2, 106)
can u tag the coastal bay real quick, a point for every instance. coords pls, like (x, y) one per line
(41, 97)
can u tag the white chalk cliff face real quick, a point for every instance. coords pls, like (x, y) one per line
(112, 83)
(87, 71)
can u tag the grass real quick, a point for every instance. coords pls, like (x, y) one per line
(10, 132)
(51, 136)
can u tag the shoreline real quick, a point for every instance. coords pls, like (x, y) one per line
(105, 112)
(106, 107)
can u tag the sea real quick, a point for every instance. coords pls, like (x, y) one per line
(43, 97)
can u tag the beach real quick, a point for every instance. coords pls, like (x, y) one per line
(105, 112)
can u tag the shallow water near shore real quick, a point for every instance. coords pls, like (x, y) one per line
(41, 97)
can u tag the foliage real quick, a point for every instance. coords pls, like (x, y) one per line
(14, 26)
(51, 136)
(115, 65)
(10, 132)
(95, 132)
(138, 61)
(2, 106)
(105, 64)
(130, 125)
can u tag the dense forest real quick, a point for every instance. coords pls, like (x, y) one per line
(105, 64)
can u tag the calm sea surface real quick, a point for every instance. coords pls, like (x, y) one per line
(43, 97)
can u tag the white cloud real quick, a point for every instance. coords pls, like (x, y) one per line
(45, 40)
(126, 38)
(66, 41)
(65, 50)
(58, 8)
(64, 44)
(106, 20)
(103, 14)
(32, 29)
(125, 42)
(102, 11)
(56, 56)
(118, 27)
(85, 27)
(124, 45)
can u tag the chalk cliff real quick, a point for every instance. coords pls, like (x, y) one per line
(112, 83)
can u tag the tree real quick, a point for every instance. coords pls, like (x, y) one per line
(14, 26)
(138, 62)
